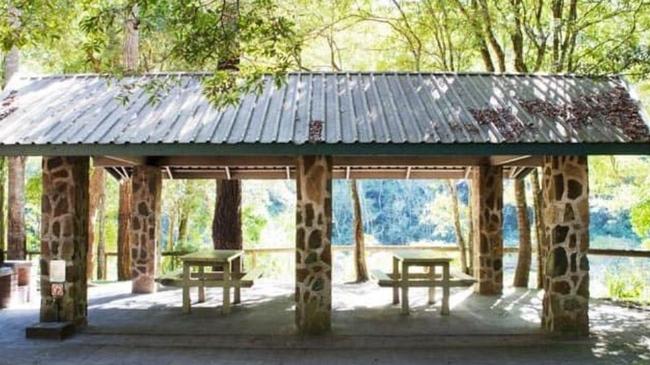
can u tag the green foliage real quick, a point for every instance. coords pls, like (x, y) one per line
(273, 36)
(640, 217)
(28, 23)
(625, 285)
(238, 42)
(33, 192)
(253, 223)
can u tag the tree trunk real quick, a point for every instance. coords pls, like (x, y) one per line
(226, 225)
(523, 261)
(170, 230)
(16, 238)
(12, 59)
(360, 245)
(491, 38)
(539, 229)
(3, 175)
(130, 48)
(453, 191)
(130, 56)
(470, 231)
(11, 62)
(101, 239)
(123, 231)
(556, 24)
(95, 194)
(517, 38)
(183, 218)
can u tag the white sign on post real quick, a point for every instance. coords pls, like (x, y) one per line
(57, 271)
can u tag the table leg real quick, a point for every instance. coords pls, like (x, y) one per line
(405, 288)
(186, 288)
(226, 289)
(445, 290)
(395, 279)
(238, 269)
(201, 285)
(432, 289)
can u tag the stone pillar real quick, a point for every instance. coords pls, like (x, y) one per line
(146, 194)
(487, 210)
(565, 190)
(313, 245)
(64, 236)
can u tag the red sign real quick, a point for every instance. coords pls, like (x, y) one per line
(57, 290)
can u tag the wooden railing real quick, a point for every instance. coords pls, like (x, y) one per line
(253, 251)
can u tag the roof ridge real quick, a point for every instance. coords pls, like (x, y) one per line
(432, 73)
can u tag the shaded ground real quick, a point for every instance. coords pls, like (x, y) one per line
(367, 329)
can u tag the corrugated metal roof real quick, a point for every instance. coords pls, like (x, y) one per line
(332, 108)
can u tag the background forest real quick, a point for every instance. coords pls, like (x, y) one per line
(560, 36)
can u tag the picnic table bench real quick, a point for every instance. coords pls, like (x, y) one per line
(231, 276)
(402, 281)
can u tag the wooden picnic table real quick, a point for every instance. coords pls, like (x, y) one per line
(406, 260)
(231, 264)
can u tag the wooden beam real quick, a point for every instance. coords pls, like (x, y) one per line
(619, 252)
(224, 161)
(379, 173)
(338, 173)
(119, 160)
(339, 161)
(526, 160)
(124, 172)
(389, 161)
(513, 172)
(414, 161)
(234, 174)
(522, 172)
(117, 175)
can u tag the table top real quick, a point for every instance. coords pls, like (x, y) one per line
(18, 263)
(411, 257)
(212, 256)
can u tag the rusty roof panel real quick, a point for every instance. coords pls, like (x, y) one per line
(349, 108)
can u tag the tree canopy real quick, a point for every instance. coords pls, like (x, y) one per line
(272, 36)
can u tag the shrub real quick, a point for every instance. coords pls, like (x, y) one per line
(625, 285)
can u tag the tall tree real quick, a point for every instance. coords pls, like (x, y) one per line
(3, 176)
(522, 271)
(16, 237)
(460, 239)
(361, 269)
(226, 224)
(185, 207)
(130, 57)
(101, 231)
(539, 228)
(95, 215)
(470, 230)
(123, 228)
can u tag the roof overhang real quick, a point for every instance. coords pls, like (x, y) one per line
(367, 149)
(344, 167)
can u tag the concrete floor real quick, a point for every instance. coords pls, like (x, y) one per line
(367, 329)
